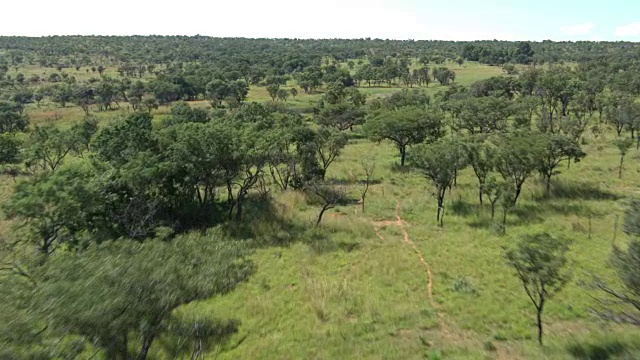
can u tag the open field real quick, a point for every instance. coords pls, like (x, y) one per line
(358, 294)
(388, 283)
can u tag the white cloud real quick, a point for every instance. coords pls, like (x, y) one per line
(632, 29)
(578, 29)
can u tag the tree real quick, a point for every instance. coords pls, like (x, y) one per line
(183, 113)
(621, 304)
(482, 115)
(443, 75)
(46, 147)
(84, 96)
(12, 118)
(341, 107)
(53, 207)
(438, 162)
(517, 157)
(282, 95)
(481, 156)
(252, 133)
(341, 116)
(273, 91)
(405, 127)
(62, 94)
(106, 92)
(217, 90)
(81, 134)
(239, 90)
(122, 141)
(368, 166)
(136, 92)
(125, 289)
(495, 191)
(329, 195)
(9, 148)
(553, 150)
(623, 146)
(506, 193)
(539, 261)
(403, 98)
(328, 145)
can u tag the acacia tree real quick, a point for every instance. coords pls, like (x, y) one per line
(341, 107)
(482, 115)
(623, 146)
(216, 91)
(539, 261)
(47, 146)
(328, 145)
(621, 304)
(553, 150)
(405, 127)
(494, 190)
(131, 289)
(53, 207)
(368, 166)
(253, 133)
(438, 162)
(329, 196)
(12, 118)
(517, 158)
(481, 157)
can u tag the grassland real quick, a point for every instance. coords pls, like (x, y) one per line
(360, 288)
(358, 294)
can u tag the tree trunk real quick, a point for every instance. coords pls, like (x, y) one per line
(539, 318)
(239, 202)
(548, 185)
(324, 208)
(518, 190)
(230, 214)
(146, 345)
(403, 152)
(504, 221)
(441, 208)
(620, 168)
(493, 210)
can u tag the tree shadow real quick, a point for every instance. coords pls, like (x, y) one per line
(264, 224)
(349, 182)
(578, 190)
(461, 207)
(602, 351)
(575, 209)
(396, 167)
(527, 214)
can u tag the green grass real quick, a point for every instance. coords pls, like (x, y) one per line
(369, 299)
(343, 292)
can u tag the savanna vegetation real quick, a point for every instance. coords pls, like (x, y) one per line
(195, 197)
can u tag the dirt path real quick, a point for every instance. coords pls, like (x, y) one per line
(450, 333)
(407, 240)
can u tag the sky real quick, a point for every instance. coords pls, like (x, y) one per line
(538, 20)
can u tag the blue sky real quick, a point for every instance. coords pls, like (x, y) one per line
(400, 19)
